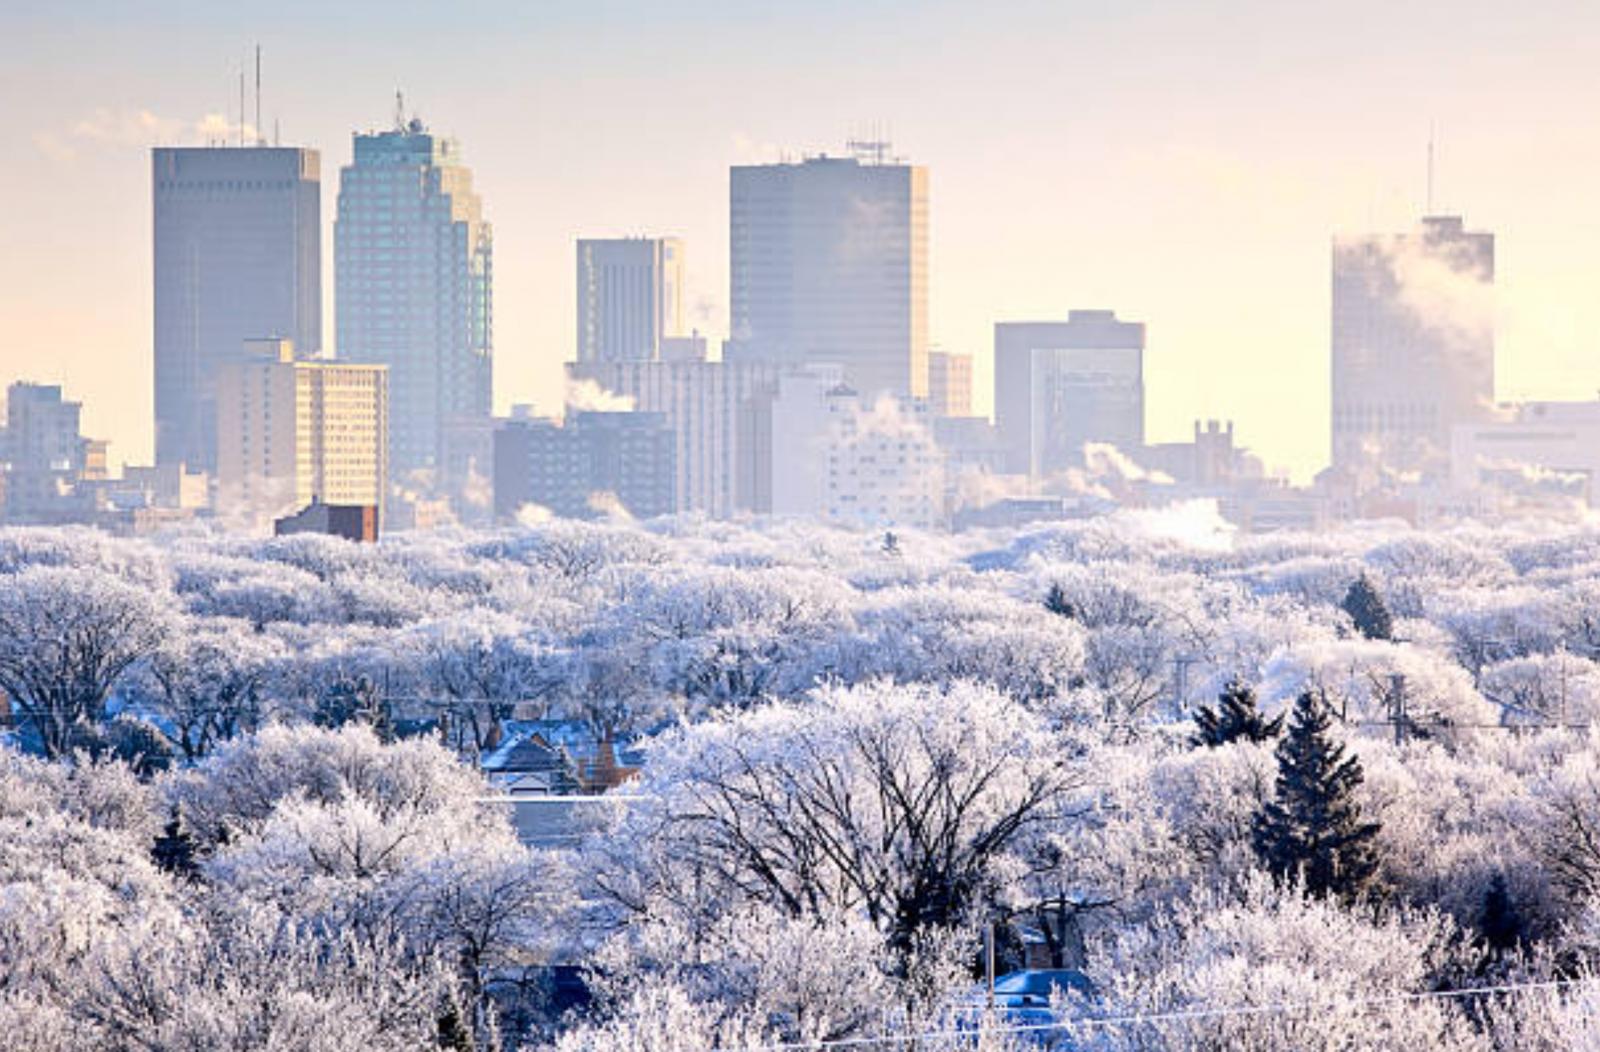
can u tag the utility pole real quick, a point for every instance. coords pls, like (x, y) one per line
(1397, 706)
(988, 962)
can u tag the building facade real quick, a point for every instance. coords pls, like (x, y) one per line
(1545, 451)
(717, 413)
(46, 458)
(586, 466)
(830, 266)
(1412, 345)
(237, 255)
(630, 297)
(1059, 386)
(950, 383)
(414, 277)
(836, 456)
(297, 431)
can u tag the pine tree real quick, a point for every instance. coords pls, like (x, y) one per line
(1311, 831)
(1368, 610)
(1056, 602)
(1234, 718)
(1502, 922)
(173, 851)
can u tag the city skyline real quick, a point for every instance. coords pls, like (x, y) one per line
(1115, 184)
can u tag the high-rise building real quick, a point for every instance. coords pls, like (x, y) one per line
(296, 431)
(830, 266)
(716, 412)
(238, 254)
(630, 297)
(1412, 344)
(950, 383)
(585, 466)
(45, 455)
(414, 275)
(1059, 386)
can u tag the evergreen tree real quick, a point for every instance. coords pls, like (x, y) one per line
(1502, 922)
(1312, 830)
(1235, 717)
(1368, 610)
(1056, 602)
(174, 849)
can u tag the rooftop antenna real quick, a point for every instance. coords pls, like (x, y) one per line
(261, 139)
(399, 110)
(1430, 168)
(275, 139)
(241, 105)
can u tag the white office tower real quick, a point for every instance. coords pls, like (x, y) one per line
(853, 461)
(630, 297)
(830, 267)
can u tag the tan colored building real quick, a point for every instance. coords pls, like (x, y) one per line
(291, 432)
(950, 383)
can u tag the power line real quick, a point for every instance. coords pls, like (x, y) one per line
(1175, 1016)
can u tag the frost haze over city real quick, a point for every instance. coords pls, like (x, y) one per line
(882, 527)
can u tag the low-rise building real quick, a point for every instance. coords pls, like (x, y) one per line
(588, 465)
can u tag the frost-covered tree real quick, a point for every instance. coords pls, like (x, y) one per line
(899, 802)
(1312, 832)
(67, 637)
(1260, 967)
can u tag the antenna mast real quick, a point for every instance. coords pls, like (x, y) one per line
(399, 110)
(241, 105)
(1430, 168)
(261, 140)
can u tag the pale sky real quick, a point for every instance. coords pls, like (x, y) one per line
(1184, 164)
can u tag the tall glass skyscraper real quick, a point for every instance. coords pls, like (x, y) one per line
(238, 256)
(830, 266)
(413, 260)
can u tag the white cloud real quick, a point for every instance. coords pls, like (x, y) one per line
(108, 128)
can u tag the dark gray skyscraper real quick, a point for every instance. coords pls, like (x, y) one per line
(630, 297)
(414, 279)
(238, 249)
(830, 265)
(1413, 344)
(1061, 385)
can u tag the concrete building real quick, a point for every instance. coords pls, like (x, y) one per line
(839, 457)
(630, 297)
(1061, 385)
(297, 431)
(586, 466)
(46, 457)
(830, 266)
(414, 272)
(1544, 451)
(1412, 345)
(238, 254)
(353, 522)
(950, 383)
(719, 413)
(1210, 460)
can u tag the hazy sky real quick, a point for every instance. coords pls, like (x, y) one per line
(1185, 164)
